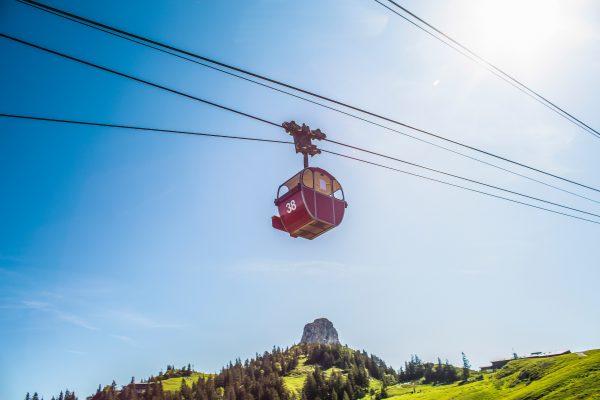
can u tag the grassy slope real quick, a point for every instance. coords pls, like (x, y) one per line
(564, 377)
(174, 384)
(295, 380)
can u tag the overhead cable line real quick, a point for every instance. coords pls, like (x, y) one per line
(112, 71)
(456, 186)
(465, 51)
(457, 176)
(219, 136)
(140, 128)
(298, 89)
(233, 74)
(256, 118)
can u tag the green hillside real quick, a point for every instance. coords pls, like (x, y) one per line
(294, 381)
(569, 376)
(174, 384)
(335, 372)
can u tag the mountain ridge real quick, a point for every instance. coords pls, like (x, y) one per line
(565, 376)
(320, 368)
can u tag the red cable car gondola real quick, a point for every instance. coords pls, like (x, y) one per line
(310, 203)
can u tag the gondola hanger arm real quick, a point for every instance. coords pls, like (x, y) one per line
(303, 137)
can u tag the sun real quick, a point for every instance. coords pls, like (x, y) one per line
(520, 31)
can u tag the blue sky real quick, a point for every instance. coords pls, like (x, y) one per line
(122, 252)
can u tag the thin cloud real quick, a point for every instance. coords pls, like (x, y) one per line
(14, 259)
(307, 267)
(11, 307)
(36, 305)
(75, 320)
(50, 309)
(139, 320)
(8, 272)
(125, 339)
(471, 272)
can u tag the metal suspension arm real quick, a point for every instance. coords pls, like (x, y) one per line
(303, 137)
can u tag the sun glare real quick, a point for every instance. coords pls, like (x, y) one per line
(519, 30)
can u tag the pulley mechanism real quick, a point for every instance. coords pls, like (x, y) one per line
(303, 137)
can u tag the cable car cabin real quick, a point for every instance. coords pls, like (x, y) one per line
(309, 204)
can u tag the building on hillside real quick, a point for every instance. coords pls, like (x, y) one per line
(140, 388)
(497, 364)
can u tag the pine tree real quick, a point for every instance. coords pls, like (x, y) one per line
(185, 390)
(465, 368)
(70, 395)
(450, 374)
(310, 389)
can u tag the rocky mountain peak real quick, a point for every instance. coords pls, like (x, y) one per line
(321, 331)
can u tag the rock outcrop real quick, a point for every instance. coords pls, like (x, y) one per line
(320, 331)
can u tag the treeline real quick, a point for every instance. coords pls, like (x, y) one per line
(343, 357)
(261, 378)
(356, 365)
(318, 386)
(172, 372)
(415, 370)
(66, 395)
(257, 379)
